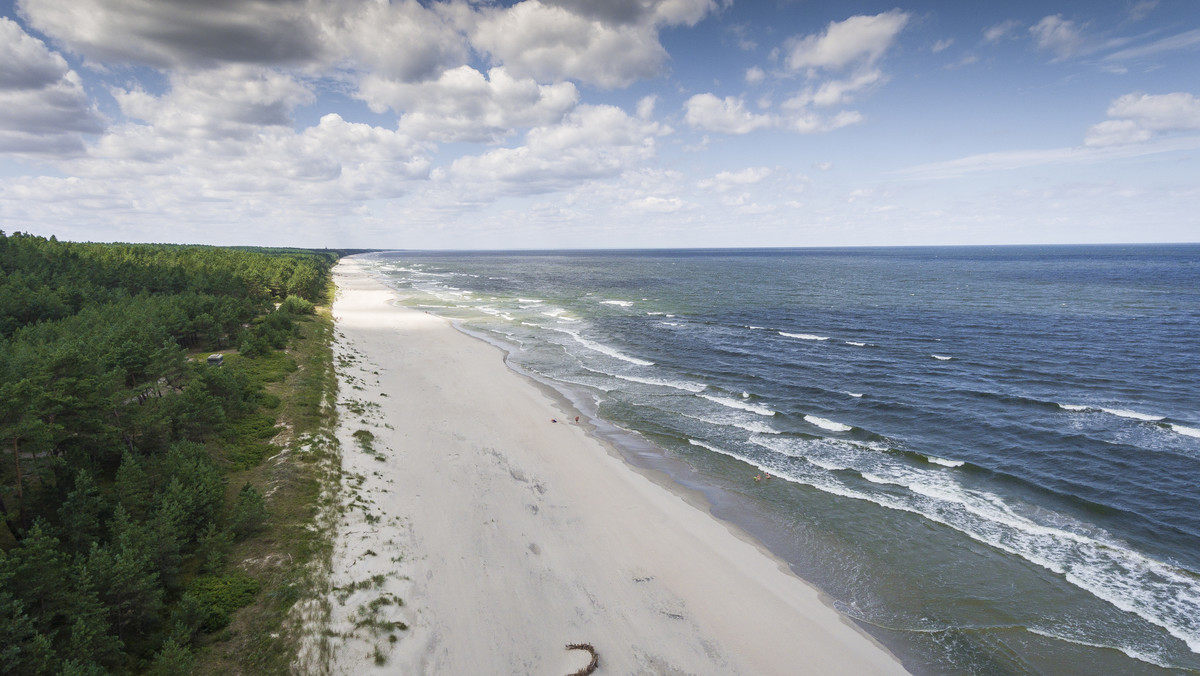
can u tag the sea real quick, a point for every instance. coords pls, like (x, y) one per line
(987, 457)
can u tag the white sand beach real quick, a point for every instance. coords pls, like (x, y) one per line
(507, 536)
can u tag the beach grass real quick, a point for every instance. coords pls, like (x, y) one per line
(298, 475)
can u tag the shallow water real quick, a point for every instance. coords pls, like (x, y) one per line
(987, 456)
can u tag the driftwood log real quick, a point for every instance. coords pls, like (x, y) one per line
(591, 666)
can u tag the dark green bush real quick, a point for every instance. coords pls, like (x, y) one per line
(295, 305)
(220, 595)
(249, 512)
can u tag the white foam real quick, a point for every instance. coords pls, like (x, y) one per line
(604, 349)
(826, 424)
(856, 395)
(825, 464)
(756, 427)
(1135, 653)
(1119, 412)
(941, 357)
(855, 343)
(742, 405)
(1083, 554)
(676, 384)
(803, 336)
(1186, 431)
(714, 449)
(944, 462)
(1132, 415)
(559, 314)
(496, 313)
(530, 300)
(621, 303)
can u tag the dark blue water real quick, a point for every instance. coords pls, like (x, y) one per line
(990, 457)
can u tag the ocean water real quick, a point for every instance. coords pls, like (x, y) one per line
(988, 457)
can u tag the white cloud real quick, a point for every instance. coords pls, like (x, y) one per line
(596, 43)
(855, 45)
(834, 92)
(679, 12)
(1186, 40)
(136, 177)
(591, 142)
(859, 39)
(728, 115)
(1161, 112)
(631, 195)
(1142, 9)
(333, 161)
(233, 101)
(806, 122)
(727, 180)
(645, 106)
(1135, 121)
(1001, 30)
(165, 34)
(657, 205)
(755, 75)
(1116, 132)
(741, 35)
(941, 45)
(372, 162)
(670, 12)
(1058, 35)
(43, 106)
(28, 63)
(1137, 117)
(1024, 159)
(399, 41)
(463, 105)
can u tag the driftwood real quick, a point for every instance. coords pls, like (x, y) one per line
(591, 666)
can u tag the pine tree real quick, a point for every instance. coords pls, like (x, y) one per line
(124, 576)
(81, 513)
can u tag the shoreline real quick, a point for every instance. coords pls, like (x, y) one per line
(496, 536)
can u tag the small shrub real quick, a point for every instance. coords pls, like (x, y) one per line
(295, 305)
(249, 512)
(220, 596)
(213, 547)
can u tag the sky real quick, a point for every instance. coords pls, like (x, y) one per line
(560, 124)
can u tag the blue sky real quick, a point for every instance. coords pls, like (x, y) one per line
(583, 124)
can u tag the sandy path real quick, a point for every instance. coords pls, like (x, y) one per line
(508, 536)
